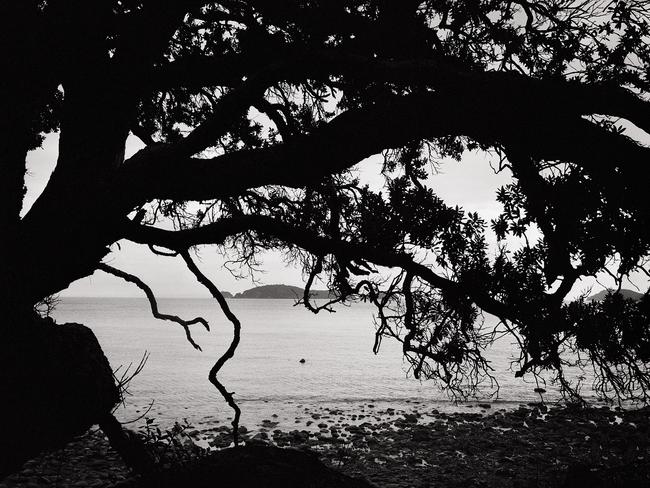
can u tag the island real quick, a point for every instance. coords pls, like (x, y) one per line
(279, 291)
(634, 295)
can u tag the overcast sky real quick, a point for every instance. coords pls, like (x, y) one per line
(471, 184)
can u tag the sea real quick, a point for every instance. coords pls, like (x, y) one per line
(340, 370)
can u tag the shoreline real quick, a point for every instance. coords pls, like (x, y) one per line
(293, 413)
(416, 447)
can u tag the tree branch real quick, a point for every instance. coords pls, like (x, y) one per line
(219, 231)
(230, 352)
(357, 134)
(441, 73)
(154, 304)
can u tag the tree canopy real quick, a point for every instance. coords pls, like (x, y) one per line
(253, 114)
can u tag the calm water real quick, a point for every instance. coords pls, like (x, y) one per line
(340, 369)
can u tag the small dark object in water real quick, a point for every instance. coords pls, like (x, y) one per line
(302, 361)
(539, 390)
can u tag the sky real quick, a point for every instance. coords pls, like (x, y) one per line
(471, 184)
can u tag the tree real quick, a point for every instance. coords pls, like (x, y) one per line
(541, 86)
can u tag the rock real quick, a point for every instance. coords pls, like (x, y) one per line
(253, 467)
(579, 475)
(56, 383)
(421, 435)
(256, 442)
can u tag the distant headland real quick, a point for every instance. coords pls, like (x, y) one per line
(634, 295)
(296, 293)
(278, 291)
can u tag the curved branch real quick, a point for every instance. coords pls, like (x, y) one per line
(230, 352)
(409, 312)
(154, 304)
(306, 294)
(441, 73)
(219, 231)
(552, 133)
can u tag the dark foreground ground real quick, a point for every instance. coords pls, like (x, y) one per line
(528, 447)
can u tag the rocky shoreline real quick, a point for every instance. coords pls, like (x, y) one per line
(415, 447)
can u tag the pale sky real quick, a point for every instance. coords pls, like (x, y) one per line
(470, 184)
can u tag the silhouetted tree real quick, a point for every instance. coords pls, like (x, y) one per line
(253, 113)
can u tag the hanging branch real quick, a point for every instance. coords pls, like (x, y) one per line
(154, 304)
(230, 352)
(306, 298)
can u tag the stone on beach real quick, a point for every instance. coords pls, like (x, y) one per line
(446, 450)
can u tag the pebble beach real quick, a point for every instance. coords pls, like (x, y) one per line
(531, 446)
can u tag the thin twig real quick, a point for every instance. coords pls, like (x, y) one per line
(125, 379)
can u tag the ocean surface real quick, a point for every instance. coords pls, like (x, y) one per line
(340, 369)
